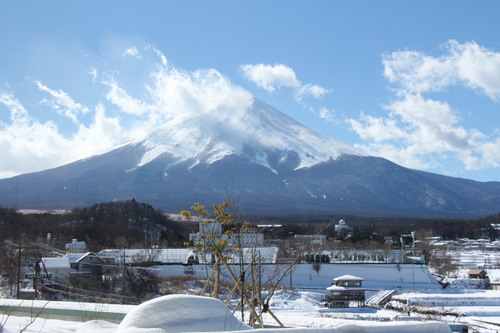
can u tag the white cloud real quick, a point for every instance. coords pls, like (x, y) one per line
(326, 114)
(93, 74)
(270, 77)
(103, 133)
(421, 132)
(427, 125)
(18, 113)
(478, 67)
(312, 90)
(160, 55)
(132, 52)
(377, 129)
(465, 64)
(62, 103)
(28, 145)
(127, 104)
(178, 93)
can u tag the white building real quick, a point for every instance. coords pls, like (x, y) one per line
(76, 247)
(58, 268)
(343, 229)
(314, 239)
(242, 239)
(160, 256)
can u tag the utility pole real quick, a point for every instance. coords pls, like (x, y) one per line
(123, 276)
(37, 279)
(18, 270)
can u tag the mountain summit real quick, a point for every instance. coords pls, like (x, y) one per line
(260, 134)
(256, 155)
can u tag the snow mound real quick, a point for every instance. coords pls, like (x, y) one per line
(181, 313)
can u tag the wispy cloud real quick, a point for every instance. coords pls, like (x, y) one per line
(273, 77)
(93, 74)
(311, 90)
(62, 103)
(467, 64)
(18, 113)
(270, 77)
(132, 52)
(127, 104)
(420, 131)
(27, 144)
(160, 54)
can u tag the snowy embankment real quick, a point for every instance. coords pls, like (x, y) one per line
(72, 311)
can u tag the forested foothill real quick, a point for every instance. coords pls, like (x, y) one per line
(103, 225)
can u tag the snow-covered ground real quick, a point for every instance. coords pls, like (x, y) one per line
(479, 308)
(302, 307)
(181, 313)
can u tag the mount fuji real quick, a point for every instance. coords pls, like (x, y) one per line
(256, 155)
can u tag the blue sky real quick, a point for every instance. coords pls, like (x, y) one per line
(417, 82)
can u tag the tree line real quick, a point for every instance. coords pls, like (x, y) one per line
(103, 225)
(127, 224)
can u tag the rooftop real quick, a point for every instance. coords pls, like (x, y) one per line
(348, 278)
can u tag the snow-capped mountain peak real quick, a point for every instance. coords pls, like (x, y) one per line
(256, 133)
(257, 155)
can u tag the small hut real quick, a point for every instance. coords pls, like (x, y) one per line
(477, 274)
(344, 290)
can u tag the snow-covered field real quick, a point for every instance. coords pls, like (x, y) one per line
(319, 277)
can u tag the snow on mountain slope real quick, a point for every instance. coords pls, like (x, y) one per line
(260, 133)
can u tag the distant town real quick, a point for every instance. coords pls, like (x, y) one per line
(128, 252)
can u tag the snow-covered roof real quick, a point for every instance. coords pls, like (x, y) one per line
(181, 256)
(348, 278)
(167, 256)
(476, 271)
(73, 257)
(88, 254)
(56, 263)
